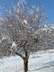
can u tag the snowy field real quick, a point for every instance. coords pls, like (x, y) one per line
(37, 63)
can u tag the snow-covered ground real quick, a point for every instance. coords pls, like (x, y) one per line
(37, 63)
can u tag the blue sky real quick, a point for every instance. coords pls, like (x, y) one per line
(48, 6)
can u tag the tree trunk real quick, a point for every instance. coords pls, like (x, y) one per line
(25, 65)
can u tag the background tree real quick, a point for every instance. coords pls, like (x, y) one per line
(20, 25)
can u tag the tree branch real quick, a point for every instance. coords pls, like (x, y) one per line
(20, 55)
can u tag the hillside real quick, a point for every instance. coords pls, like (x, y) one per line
(37, 63)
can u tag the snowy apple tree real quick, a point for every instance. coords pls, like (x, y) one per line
(20, 24)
